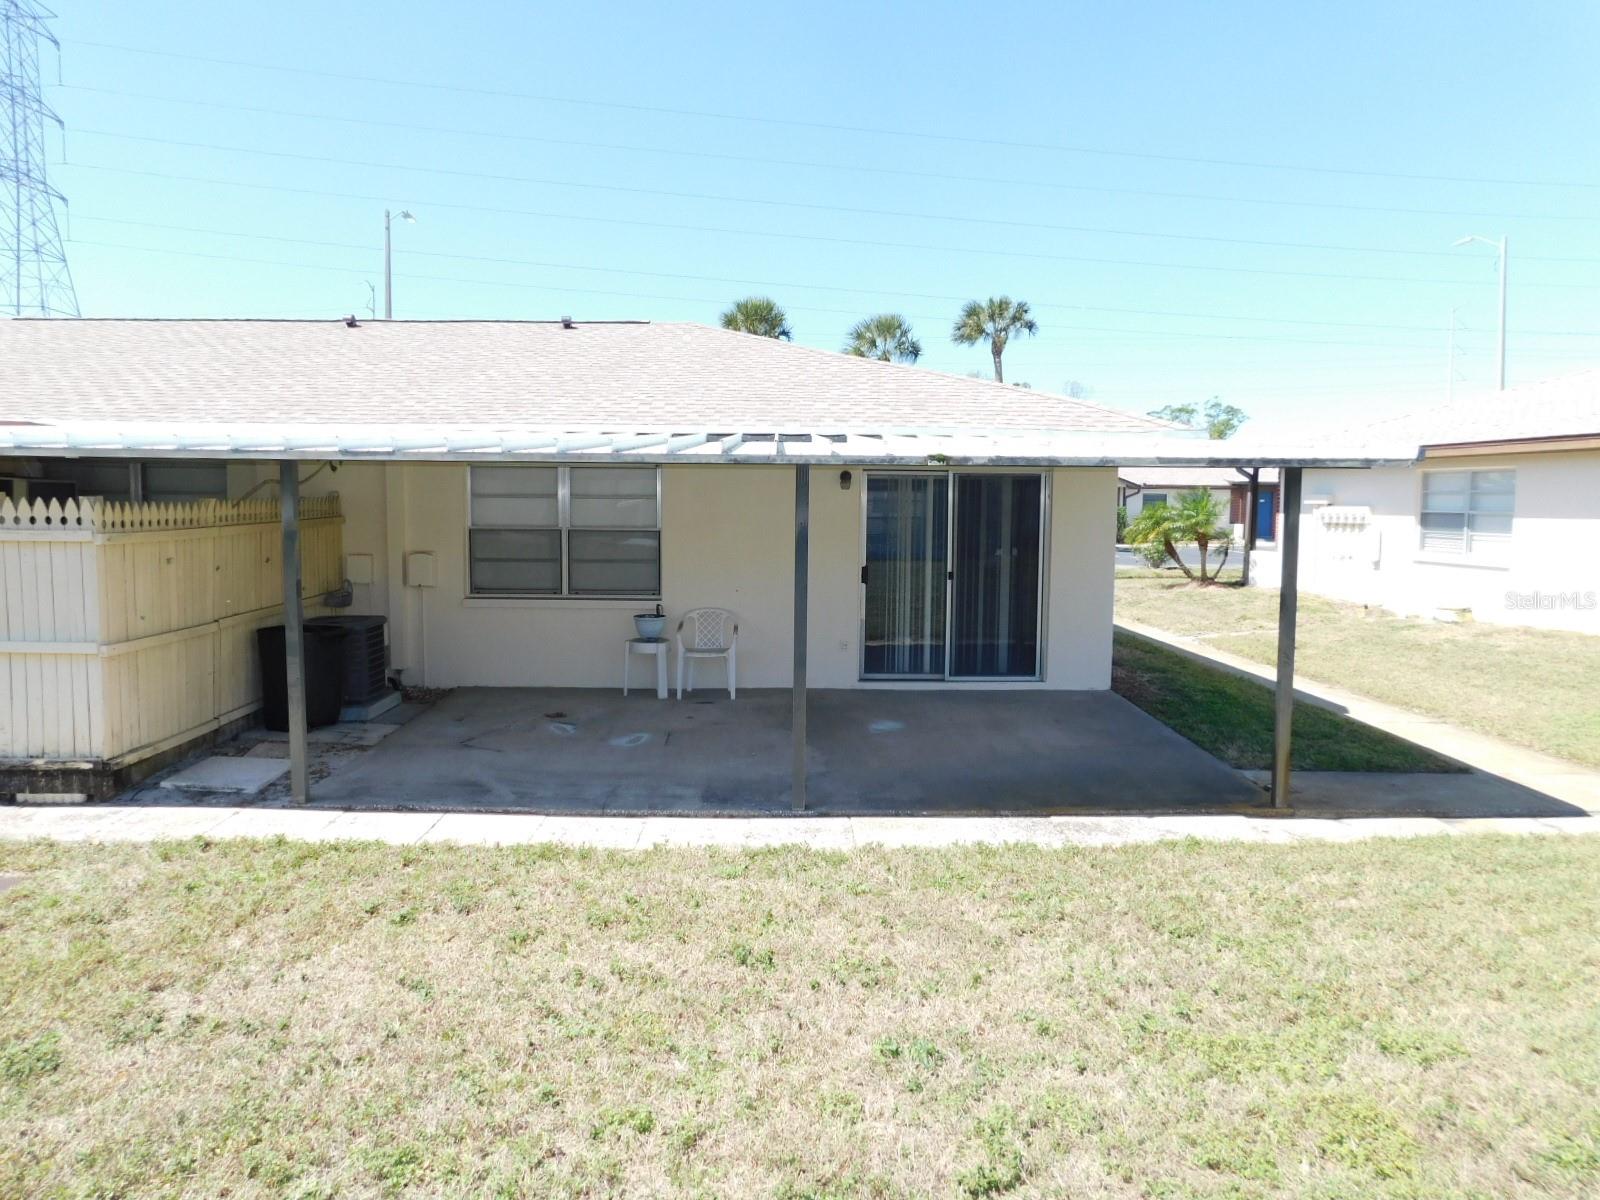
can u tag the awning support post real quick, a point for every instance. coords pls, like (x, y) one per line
(294, 648)
(1288, 605)
(1250, 521)
(802, 564)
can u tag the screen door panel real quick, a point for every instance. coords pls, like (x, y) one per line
(994, 617)
(906, 571)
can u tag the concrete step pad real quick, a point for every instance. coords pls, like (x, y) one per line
(242, 776)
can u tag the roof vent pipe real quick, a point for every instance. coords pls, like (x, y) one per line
(351, 322)
(566, 322)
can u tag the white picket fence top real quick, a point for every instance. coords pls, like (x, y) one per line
(93, 515)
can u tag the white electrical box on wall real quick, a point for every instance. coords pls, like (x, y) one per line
(420, 569)
(358, 568)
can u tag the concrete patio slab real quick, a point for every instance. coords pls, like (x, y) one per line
(344, 733)
(241, 775)
(572, 751)
(1470, 794)
(406, 710)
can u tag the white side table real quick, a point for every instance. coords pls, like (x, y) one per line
(659, 647)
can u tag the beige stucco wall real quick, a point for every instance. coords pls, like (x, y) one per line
(728, 540)
(1555, 527)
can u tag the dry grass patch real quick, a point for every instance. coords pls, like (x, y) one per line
(1389, 1019)
(1531, 686)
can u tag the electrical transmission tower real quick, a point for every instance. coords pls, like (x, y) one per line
(34, 280)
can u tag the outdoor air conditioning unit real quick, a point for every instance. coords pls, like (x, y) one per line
(366, 656)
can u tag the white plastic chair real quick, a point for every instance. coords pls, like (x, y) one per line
(712, 633)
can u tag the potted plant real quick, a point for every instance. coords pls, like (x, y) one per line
(651, 625)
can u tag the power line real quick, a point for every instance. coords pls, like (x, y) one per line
(546, 264)
(703, 114)
(877, 243)
(897, 214)
(1132, 333)
(1004, 181)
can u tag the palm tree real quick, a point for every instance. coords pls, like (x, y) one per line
(1195, 520)
(886, 337)
(993, 322)
(758, 315)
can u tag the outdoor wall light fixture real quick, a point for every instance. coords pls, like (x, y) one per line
(844, 481)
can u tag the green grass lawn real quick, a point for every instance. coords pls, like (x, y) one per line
(1531, 686)
(1399, 1019)
(1232, 717)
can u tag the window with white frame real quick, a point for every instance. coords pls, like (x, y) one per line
(1467, 512)
(1151, 499)
(564, 531)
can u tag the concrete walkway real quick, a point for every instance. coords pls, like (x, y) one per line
(1496, 763)
(144, 823)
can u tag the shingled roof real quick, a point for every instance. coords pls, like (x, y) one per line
(545, 373)
(1566, 407)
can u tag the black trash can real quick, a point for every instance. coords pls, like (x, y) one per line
(324, 654)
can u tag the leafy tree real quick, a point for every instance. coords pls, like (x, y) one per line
(758, 315)
(994, 321)
(1076, 389)
(1195, 520)
(886, 337)
(1221, 420)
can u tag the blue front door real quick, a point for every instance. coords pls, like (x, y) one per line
(1265, 528)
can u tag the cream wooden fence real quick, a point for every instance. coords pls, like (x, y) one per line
(126, 629)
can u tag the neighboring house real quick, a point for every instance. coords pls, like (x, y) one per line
(1498, 519)
(509, 494)
(1138, 487)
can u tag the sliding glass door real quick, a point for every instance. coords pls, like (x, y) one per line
(904, 577)
(994, 610)
(951, 576)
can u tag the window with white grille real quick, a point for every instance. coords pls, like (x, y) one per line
(1468, 512)
(564, 531)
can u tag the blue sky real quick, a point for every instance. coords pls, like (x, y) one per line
(1161, 181)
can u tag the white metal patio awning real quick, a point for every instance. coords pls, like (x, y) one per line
(880, 446)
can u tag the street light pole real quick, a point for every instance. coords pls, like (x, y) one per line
(388, 279)
(388, 259)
